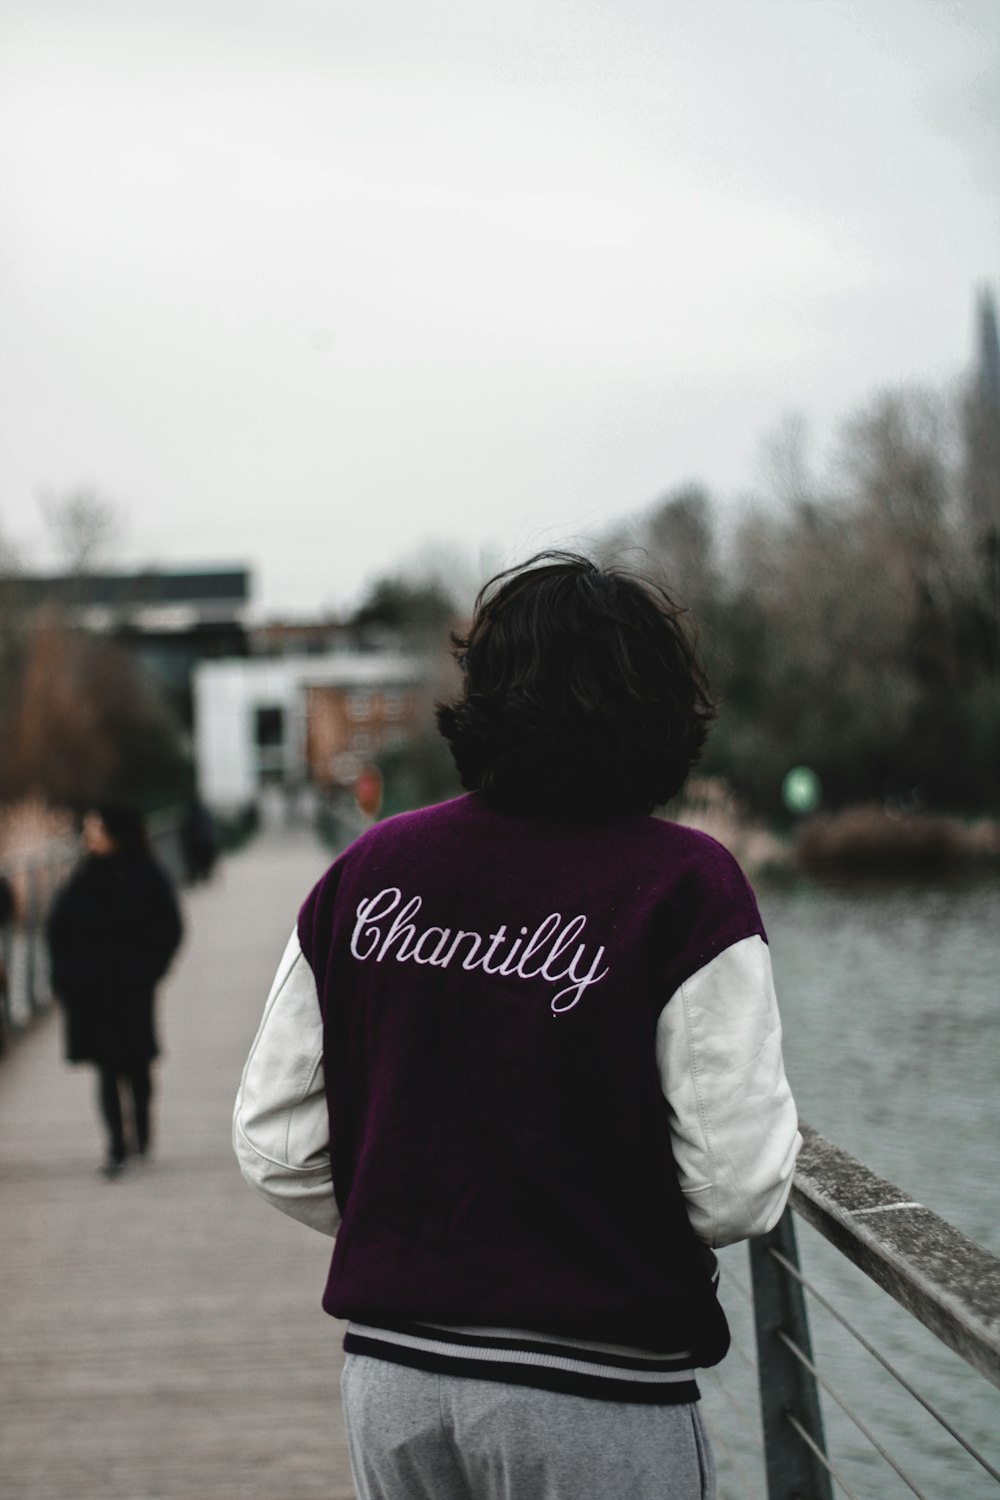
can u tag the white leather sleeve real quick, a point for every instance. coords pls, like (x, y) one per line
(733, 1124)
(281, 1132)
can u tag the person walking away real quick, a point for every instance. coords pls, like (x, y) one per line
(199, 841)
(112, 934)
(522, 1057)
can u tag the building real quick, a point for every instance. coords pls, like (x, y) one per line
(290, 722)
(170, 620)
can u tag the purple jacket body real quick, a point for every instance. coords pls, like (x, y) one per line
(499, 1136)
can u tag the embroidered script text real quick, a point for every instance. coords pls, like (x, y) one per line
(553, 951)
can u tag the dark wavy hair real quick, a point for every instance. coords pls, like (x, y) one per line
(583, 693)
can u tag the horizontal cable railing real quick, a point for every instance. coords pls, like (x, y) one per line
(900, 1379)
(943, 1280)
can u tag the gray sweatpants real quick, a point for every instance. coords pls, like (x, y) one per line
(413, 1435)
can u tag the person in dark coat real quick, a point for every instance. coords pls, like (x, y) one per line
(199, 841)
(112, 933)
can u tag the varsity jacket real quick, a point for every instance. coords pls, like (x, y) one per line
(526, 1072)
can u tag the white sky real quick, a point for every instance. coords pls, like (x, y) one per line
(304, 283)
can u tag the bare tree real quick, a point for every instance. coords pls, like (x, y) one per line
(85, 721)
(680, 534)
(981, 515)
(898, 459)
(85, 526)
(784, 462)
(13, 624)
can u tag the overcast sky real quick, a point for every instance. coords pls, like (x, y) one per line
(308, 284)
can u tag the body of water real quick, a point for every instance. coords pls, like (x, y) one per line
(890, 1000)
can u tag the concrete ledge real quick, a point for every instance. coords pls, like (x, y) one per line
(947, 1281)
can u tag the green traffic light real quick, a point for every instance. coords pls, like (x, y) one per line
(801, 791)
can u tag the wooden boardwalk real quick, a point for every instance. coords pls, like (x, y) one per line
(161, 1335)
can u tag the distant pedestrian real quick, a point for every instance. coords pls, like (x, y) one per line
(8, 901)
(199, 841)
(522, 1057)
(112, 933)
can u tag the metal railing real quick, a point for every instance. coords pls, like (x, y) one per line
(945, 1282)
(30, 880)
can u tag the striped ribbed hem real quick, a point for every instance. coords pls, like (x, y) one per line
(578, 1367)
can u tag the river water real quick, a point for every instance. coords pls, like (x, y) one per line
(890, 1001)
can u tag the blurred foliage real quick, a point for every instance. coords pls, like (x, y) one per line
(850, 621)
(417, 612)
(852, 624)
(80, 719)
(418, 773)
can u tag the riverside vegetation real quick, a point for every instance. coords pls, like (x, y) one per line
(850, 622)
(849, 618)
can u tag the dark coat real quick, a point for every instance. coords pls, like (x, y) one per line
(112, 933)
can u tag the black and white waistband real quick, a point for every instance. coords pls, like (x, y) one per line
(581, 1367)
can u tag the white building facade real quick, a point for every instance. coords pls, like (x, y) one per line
(290, 722)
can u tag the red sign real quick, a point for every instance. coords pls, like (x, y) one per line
(368, 791)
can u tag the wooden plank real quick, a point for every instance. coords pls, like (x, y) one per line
(162, 1334)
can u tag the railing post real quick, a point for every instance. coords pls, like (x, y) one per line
(6, 973)
(30, 938)
(787, 1388)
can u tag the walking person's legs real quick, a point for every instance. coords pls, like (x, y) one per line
(109, 1099)
(141, 1087)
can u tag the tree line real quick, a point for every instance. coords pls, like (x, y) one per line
(80, 716)
(851, 621)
